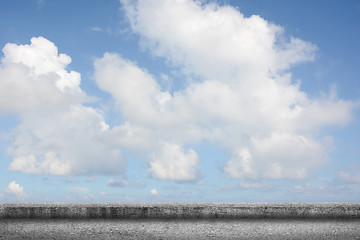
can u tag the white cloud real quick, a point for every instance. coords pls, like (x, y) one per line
(213, 41)
(34, 77)
(244, 97)
(65, 143)
(172, 163)
(240, 166)
(57, 134)
(290, 154)
(136, 91)
(15, 189)
(154, 192)
(239, 94)
(112, 182)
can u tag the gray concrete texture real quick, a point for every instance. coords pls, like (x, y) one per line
(199, 229)
(180, 211)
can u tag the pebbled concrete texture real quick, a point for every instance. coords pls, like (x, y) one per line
(151, 229)
(180, 211)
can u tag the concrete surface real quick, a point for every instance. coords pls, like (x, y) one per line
(180, 221)
(179, 229)
(180, 211)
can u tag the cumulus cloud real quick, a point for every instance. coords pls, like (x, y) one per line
(238, 94)
(113, 183)
(15, 189)
(136, 91)
(214, 41)
(65, 143)
(34, 77)
(172, 163)
(57, 134)
(241, 96)
(154, 192)
(141, 100)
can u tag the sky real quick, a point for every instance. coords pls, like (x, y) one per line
(179, 101)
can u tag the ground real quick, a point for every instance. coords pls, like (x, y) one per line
(179, 229)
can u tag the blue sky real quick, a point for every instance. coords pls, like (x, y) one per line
(179, 101)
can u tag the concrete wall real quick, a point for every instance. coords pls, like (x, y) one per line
(181, 210)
